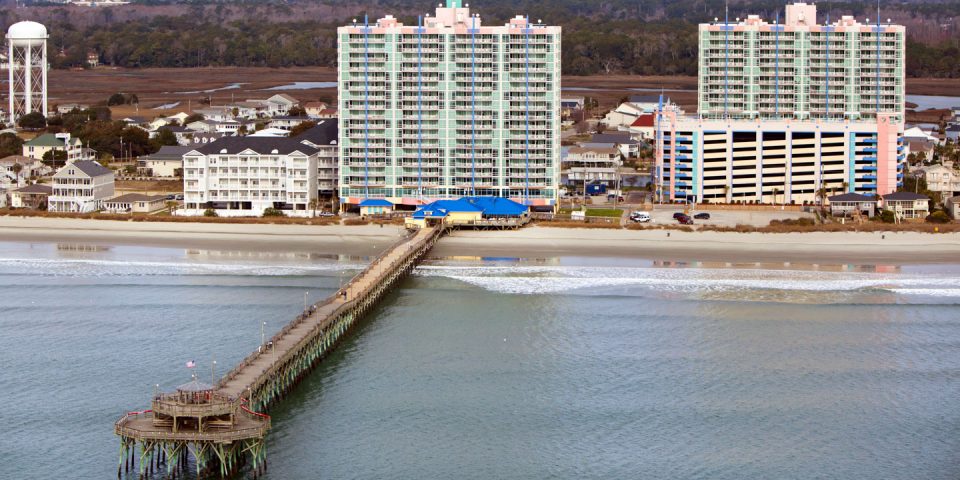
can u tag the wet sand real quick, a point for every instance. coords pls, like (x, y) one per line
(531, 242)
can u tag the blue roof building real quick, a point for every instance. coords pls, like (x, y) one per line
(471, 211)
(375, 206)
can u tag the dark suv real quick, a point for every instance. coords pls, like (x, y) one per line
(684, 219)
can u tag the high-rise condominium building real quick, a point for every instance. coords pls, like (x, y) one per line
(788, 113)
(449, 107)
(800, 69)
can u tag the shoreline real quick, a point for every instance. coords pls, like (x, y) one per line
(529, 242)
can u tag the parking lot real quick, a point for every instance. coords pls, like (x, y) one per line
(727, 218)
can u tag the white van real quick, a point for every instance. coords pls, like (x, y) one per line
(640, 217)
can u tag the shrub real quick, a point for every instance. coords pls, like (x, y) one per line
(356, 221)
(273, 212)
(793, 222)
(887, 216)
(210, 213)
(938, 217)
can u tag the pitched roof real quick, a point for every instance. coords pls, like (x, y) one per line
(851, 197)
(441, 208)
(621, 138)
(609, 150)
(497, 206)
(261, 145)
(36, 188)
(643, 121)
(89, 167)
(315, 105)
(168, 152)
(324, 133)
(46, 140)
(375, 202)
(905, 196)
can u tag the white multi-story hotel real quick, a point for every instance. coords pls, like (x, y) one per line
(449, 107)
(243, 176)
(800, 69)
(323, 137)
(788, 113)
(81, 187)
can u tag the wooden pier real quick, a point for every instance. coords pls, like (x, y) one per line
(223, 426)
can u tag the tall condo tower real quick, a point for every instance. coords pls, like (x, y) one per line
(27, 53)
(797, 68)
(448, 108)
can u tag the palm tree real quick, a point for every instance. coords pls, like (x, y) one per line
(17, 168)
(314, 203)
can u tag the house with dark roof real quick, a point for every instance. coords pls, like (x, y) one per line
(244, 176)
(166, 162)
(622, 141)
(81, 187)
(848, 204)
(35, 196)
(907, 205)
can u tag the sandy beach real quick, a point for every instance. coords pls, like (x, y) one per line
(531, 242)
(820, 247)
(361, 240)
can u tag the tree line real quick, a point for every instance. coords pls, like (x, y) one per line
(646, 37)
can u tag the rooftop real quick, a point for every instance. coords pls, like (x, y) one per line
(851, 197)
(905, 196)
(324, 133)
(88, 167)
(261, 145)
(36, 188)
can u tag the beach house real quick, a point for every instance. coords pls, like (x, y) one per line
(907, 205)
(849, 204)
(49, 142)
(35, 196)
(135, 203)
(81, 187)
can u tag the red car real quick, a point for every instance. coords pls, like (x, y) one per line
(684, 219)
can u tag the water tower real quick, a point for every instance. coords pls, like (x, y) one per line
(27, 50)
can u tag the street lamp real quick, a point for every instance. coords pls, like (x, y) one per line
(262, 325)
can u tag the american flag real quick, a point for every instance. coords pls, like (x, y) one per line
(191, 364)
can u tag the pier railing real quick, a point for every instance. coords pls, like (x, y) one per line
(303, 316)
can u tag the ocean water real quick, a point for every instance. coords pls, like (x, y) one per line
(501, 368)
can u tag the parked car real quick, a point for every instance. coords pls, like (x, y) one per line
(180, 197)
(611, 197)
(325, 214)
(702, 216)
(685, 220)
(677, 215)
(640, 217)
(171, 197)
